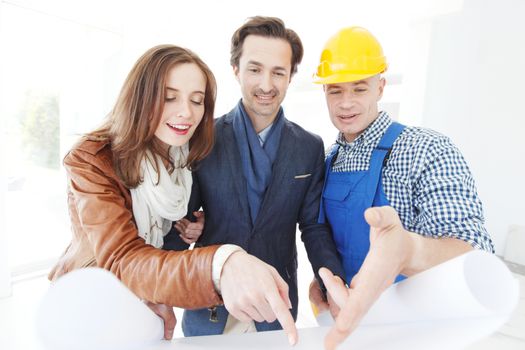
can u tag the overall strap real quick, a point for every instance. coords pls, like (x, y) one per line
(379, 157)
(328, 166)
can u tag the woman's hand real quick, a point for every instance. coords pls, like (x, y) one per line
(168, 316)
(254, 290)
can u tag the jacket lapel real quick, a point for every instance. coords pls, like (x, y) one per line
(282, 169)
(234, 160)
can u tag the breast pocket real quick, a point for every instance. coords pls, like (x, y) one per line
(296, 185)
(334, 196)
(336, 193)
(302, 176)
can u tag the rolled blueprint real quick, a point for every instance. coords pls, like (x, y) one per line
(450, 306)
(91, 309)
(475, 284)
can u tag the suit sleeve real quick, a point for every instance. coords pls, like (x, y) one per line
(317, 238)
(172, 240)
(176, 278)
(195, 202)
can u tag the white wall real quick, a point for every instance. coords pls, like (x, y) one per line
(5, 281)
(472, 89)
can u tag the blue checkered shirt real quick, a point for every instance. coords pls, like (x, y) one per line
(426, 179)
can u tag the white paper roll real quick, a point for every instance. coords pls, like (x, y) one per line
(91, 309)
(475, 284)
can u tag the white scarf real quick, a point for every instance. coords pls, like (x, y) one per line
(155, 207)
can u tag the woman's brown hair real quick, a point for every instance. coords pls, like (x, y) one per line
(132, 123)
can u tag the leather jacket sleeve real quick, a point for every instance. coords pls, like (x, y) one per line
(99, 212)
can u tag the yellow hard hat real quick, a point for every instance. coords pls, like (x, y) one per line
(350, 55)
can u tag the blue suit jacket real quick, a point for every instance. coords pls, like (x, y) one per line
(292, 198)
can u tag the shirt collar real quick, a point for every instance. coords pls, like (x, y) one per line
(263, 134)
(370, 135)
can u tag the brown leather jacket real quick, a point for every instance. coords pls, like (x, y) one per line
(105, 235)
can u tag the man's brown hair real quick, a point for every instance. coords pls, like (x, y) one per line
(270, 27)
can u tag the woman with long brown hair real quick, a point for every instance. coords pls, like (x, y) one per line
(130, 179)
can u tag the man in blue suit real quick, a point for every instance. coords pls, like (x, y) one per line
(263, 177)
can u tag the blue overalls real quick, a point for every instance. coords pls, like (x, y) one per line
(347, 195)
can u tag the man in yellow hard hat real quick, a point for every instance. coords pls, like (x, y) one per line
(399, 199)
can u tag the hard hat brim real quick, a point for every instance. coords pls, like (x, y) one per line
(341, 78)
